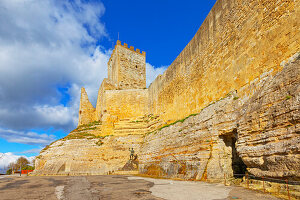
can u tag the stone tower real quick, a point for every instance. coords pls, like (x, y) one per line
(123, 94)
(127, 67)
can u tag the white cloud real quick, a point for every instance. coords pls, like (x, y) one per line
(7, 158)
(31, 151)
(26, 137)
(45, 45)
(153, 72)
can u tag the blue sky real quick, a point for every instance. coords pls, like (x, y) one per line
(50, 49)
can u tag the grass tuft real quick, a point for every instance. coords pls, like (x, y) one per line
(288, 97)
(181, 120)
(99, 142)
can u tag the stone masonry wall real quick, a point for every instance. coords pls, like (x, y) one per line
(87, 112)
(263, 131)
(126, 103)
(238, 41)
(132, 68)
(105, 85)
(127, 67)
(234, 77)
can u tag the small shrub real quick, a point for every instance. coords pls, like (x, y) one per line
(47, 147)
(148, 133)
(288, 97)
(9, 171)
(137, 121)
(88, 126)
(181, 120)
(235, 98)
(99, 142)
(80, 136)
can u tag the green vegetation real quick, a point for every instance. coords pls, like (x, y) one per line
(28, 167)
(151, 116)
(181, 120)
(22, 163)
(9, 171)
(47, 147)
(146, 118)
(227, 95)
(137, 121)
(148, 133)
(99, 142)
(80, 136)
(90, 126)
(288, 97)
(102, 137)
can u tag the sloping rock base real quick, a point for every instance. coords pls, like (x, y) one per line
(258, 133)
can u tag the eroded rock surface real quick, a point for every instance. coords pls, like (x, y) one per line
(269, 126)
(260, 131)
(86, 155)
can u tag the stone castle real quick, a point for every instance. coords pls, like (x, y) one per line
(123, 95)
(228, 104)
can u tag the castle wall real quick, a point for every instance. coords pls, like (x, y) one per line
(131, 68)
(105, 85)
(261, 131)
(86, 110)
(126, 103)
(237, 51)
(113, 69)
(238, 41)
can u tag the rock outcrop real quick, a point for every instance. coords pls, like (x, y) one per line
(234, 134)
(269, 126)
(86, 155)
(234, 75)
(259, 134)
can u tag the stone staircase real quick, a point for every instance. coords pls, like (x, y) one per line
(92, 129)
(128, 126)
(139, 125)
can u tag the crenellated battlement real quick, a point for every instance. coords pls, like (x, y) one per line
(131, 48)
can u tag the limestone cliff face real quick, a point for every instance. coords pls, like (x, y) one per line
(260, 133)
(231, 75)
(86, 156)
(269, 126)
(87, 150)
(257, 133)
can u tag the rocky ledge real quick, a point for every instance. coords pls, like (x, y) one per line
(258, 133)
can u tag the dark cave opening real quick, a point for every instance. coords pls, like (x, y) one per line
(237, 164)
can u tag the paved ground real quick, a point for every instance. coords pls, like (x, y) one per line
(117, 187)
